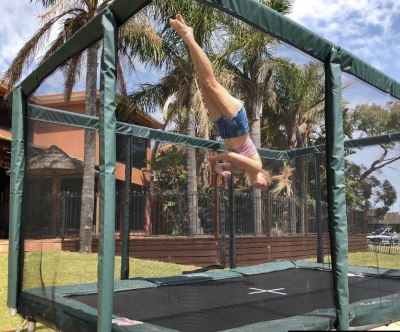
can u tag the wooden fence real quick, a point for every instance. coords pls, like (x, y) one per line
(206, 250)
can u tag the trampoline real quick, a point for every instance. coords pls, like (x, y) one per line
(278, 295)
(282, 295)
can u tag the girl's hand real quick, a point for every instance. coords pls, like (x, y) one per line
(226, 174)
(217, 157)
(223, 170)
(211, 159)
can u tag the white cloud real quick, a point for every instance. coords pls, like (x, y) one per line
(366, 29)
(18, 25)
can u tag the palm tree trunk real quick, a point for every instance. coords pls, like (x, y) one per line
(88, 186)
(194, 226)
(291, 142)
(255, 131)
(205, 171)
(292, 202)
(301, 171)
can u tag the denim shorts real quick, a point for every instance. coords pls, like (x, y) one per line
(233, 127)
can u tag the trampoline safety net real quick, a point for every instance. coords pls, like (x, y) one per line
(127, 226)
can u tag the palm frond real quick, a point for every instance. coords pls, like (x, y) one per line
(27, 54)
(226, 79)
(121, 84)
(46, 3)
(72, 71)
(60, 8)
(166, 105)
(281, 6)
(139, 39)
(318, 110)
(69, 28)
(203, 121)
(149, 98)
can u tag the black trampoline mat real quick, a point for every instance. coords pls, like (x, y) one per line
(229, 303)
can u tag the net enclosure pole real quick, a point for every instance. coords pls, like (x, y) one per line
(107, 126)
(232, 228)
(336, 186)
(15, 250)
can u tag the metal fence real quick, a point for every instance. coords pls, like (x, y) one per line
(37, 216)
(169, 213)
(50, 216)
(69, 217)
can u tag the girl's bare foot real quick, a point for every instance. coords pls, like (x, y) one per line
(180, 27)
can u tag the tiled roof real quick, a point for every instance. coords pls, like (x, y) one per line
(391, 218)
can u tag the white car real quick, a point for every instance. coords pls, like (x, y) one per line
(384, 238)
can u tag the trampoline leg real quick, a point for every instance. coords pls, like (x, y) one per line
(31, 326)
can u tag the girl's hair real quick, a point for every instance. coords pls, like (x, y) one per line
(283, 182)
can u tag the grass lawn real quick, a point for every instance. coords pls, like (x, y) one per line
(369, 258)
(78, 268)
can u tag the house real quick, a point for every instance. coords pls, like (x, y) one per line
(55, 167)
(391, 220)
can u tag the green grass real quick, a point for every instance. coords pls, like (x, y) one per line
(74, 268)
(369, 258)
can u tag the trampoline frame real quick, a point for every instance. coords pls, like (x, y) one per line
(54, 306)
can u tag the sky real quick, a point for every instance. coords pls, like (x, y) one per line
(368, 29)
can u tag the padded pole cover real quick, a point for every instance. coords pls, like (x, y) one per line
(336, 186)
(15, 251)
(107, 123)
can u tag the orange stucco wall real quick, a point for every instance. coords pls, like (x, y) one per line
(71, 139)
(67, 138)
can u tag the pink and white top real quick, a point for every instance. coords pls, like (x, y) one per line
(247, 149)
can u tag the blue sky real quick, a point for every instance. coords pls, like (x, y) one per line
(371, 31)
(368, 29)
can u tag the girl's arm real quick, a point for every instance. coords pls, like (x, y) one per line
(225, 169)
(242, 162)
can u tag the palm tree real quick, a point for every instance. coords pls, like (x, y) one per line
(299, 99)
(299, 107)
(246, 61)
(73, 14)
(179, 79)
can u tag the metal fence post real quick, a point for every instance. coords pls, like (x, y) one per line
(222, 216)
(232, 234)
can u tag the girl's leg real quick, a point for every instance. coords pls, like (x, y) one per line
(213, 109)
(216, 97)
